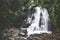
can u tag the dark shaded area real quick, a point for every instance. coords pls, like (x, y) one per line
(12, 15)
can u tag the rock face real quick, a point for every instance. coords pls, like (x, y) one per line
(10, 34)
(18, 34)
(41, 37)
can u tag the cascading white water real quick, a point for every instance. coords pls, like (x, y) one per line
(34, 28)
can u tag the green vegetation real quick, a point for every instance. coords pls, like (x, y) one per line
(12, 15)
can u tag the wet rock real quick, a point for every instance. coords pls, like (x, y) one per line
(41, 37)
(10, 34)
(19, 34)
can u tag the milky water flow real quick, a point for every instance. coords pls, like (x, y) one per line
(34, 28)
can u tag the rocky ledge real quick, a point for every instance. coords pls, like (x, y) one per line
(18, 34)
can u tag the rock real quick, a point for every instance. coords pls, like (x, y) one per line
(19, 34)
(41, 37)
(10, 34)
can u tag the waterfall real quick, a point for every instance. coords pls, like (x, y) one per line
(39, 24)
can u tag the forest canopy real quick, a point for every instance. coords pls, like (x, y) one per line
(12, 15)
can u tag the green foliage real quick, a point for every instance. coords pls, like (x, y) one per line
(14, 7)
(12, 15)
(51, 5)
